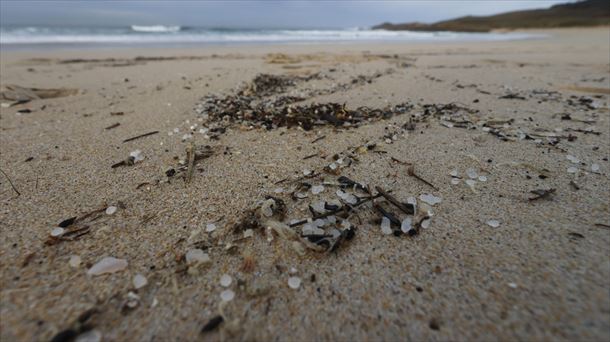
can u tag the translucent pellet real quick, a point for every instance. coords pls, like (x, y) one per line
(111, 210)
(227, 295)
(294, 282)
(386, 227)
(226, 280)
(493, 223)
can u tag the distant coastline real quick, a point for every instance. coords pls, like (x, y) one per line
(578, 14)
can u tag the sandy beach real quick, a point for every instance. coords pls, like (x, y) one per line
(482, 124)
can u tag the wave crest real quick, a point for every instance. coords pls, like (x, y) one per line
(155, 28)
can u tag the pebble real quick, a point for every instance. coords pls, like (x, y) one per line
(139, 281)
(572, 169)
(482, 178)
(227, 295)
(455, 181)
(210, 227)
(111, 210)
(425, 223)
(226, 280)
(493, 223)
(430, 199)
(294, 282)
(453, 173)
(107, 265)
(595, 167)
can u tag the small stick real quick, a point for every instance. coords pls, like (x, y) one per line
(411, 172)
(281, 181)
(603, 225)
(11, 182)
(115, 165)
(394, 201)
(310, 156)
(400, 161)
(190, 154)
(318, 139)
(113, 126)
(140, 136)
(393, 219)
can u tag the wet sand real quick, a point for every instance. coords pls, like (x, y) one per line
(543, 273)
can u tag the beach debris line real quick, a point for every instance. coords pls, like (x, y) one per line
(265, 103)
(329, 226)
(272, 115)
(266, 84)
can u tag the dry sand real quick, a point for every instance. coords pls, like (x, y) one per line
(543, 274)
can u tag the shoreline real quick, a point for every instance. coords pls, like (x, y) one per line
(514, 35)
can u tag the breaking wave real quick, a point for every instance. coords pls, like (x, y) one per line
(155, 28)
(159, 34)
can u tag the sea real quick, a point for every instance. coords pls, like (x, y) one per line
(15, 37)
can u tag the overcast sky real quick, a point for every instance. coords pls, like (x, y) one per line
(249, 14)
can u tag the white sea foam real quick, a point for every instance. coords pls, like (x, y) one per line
(159, 34)
(155, 28)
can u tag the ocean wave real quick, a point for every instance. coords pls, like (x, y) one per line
(118, 35)
(155, 28)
